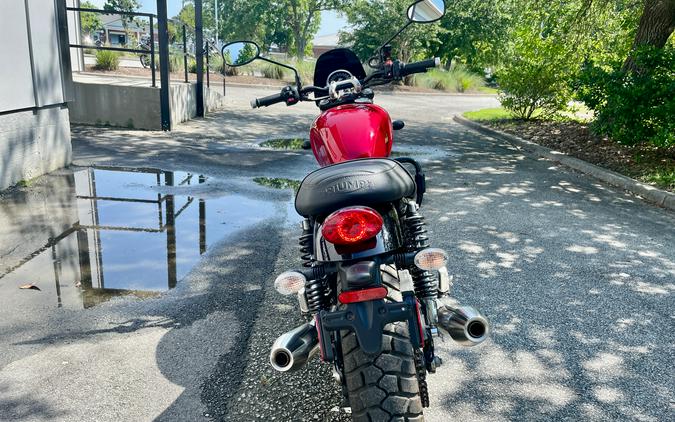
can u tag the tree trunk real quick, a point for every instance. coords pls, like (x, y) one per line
(656, 25)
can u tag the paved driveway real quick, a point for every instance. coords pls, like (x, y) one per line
(577, 279)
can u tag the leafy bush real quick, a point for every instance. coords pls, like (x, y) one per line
(637, 106)
(175, 62)
(457, 79)
(536, 75)
(216, 63)
(192, 65)
(107, 60)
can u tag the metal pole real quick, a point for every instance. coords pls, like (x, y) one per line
(199, 52)
(162, 24)
(152, 52)
(208, 84)
(216, 23)
(185, 65)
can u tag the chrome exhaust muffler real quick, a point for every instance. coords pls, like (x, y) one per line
(464, 324)
(293, 349)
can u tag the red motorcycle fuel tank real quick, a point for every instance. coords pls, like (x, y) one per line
(351, 131)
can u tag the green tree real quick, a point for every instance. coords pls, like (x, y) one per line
(374, 22)
(304, 17)
(90, 21)
(656, 25)
(123, 6)
(475, 32)
(246, 54)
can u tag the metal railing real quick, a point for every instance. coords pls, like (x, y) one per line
(150, 16)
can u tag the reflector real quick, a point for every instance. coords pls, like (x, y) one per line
(431, 259)
(351, 225)
(364, 295)
(289, 283)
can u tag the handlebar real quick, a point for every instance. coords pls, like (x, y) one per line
(290, 95)
(419, 67)
(267, 101)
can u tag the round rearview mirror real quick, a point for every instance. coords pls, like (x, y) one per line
(239, 53)
(426, 11)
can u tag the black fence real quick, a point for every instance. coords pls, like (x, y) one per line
(208, 49)
(151, 18)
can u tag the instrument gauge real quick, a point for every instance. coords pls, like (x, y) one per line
(338, 75)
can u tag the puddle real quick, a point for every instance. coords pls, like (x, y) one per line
(278, 182)
(109, 232)
(287, 143)
(420, 152)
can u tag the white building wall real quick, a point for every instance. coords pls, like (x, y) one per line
(35, 86)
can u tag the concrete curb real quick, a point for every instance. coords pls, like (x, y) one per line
(648, 192)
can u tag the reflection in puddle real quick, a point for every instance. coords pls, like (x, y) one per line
(122, 237)
(278, 182)
(287, 143)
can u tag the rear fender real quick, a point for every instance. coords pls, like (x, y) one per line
(367, 320)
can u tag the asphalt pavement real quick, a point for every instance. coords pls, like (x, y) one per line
(577, 279)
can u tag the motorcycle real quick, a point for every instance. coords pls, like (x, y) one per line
(144, 44)
(374, 293)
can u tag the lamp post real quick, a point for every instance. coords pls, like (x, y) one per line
(216, 13)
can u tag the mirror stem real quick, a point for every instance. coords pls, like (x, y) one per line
(395, 35)
(297, 76)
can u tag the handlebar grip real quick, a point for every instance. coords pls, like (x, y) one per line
(419, 67)
(267, 101)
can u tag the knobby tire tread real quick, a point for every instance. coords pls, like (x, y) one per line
(383, 387)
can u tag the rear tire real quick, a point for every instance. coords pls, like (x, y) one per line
(383, 387)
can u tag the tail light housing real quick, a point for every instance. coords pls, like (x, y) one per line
(351, 225)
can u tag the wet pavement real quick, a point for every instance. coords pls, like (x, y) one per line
(141, 316)
(128, 232)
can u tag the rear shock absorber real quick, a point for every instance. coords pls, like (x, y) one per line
(317, 294)
(425, 282)
(306, 242)
(316, 290)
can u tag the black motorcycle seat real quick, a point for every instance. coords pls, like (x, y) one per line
(368, 181)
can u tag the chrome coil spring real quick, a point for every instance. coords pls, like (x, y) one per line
(317, 294)
(426, 284)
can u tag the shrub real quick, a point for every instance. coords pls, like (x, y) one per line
(216, 63)
(175, 62)
(305, 70)
(535, 76)
(457, 79)
(272, 71)
(526, 89)
(637, 106)
(107, 60)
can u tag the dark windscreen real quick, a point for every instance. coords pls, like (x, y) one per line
(339, 58)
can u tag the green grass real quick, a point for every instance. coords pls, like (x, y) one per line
(488, 90)
(290, 143)
(663, 178)
(26, 183)
(488, 114)
(500, 113)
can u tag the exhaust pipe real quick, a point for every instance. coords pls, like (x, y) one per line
(293, 349)
(466, 325)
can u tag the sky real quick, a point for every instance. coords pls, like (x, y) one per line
(331, 23)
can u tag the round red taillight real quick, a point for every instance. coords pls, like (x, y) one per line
(351, 225)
